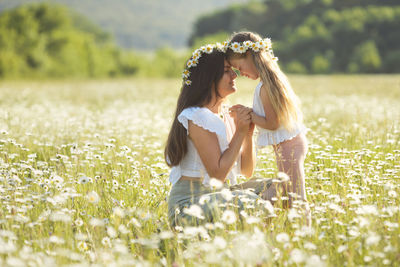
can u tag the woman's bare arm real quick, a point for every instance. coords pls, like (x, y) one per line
(217, 164)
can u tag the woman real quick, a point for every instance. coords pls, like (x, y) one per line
(205, 141)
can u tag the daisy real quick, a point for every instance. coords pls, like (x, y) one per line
(196, 54)
(228, 217)
(93, 197)
(189, 63)
(185, 73)
(247, 44)
(209, 49)
(195, 211)
(242, 49)
(235, 46)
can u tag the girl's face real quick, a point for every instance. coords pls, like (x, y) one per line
(246, 66)
(226, 85)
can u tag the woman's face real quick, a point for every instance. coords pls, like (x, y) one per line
(246, 66)
(226, 85)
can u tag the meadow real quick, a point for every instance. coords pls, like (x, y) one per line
(83, 180)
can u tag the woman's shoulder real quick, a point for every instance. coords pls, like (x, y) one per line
(202, 117)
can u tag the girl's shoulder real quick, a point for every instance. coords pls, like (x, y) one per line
(259, 85)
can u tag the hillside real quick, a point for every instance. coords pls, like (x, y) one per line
(318, 36)
(140, 24)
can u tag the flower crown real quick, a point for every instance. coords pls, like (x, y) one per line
(263, 44)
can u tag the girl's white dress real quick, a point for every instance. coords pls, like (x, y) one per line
(267, 137)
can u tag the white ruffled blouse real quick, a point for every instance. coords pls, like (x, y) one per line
(267, 137)
(191, 165)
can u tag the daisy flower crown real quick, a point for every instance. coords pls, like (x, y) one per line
(262, 45)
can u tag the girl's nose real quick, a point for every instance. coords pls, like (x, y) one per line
(233, 74)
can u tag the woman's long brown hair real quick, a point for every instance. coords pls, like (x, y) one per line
(205, 77)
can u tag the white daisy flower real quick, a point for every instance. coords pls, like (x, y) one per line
(188, 82)
(283, 177)
(229, 217)
(185, 73)
(196, 53)
(189, 63)
(215, 184)
(297, 256)
(112, 233)
(227, 194)
(195, 57)
(82, 246)
(282, 238)
(242, 49)
(247, 44)
(83, 180)
(219, 242)
(209, 49)
(219, 47)
(235, 46)
(93, 197)
(117, 211)
(195, 211)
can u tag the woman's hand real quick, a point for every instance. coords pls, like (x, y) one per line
(242, 117)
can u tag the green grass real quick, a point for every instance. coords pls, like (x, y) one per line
(61, 140)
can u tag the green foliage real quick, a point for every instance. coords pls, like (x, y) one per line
(164, 63)
(138, 24)
(391, 62)
(367, 57)
(323, 36)
(320, 64)
(296, 67)
(43, 40)
(209, 39)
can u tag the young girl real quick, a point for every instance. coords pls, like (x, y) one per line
(276, 111)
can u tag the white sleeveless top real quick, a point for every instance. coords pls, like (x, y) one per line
(267, 137)
(191, 165)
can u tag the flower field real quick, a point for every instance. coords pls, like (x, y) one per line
(83, 180)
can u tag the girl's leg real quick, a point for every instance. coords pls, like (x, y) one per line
(290, 156)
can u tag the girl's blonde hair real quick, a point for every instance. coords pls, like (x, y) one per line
(281, 95)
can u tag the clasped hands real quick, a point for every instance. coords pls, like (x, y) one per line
(242, 116)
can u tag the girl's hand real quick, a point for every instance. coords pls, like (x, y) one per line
(242, 117)
(240, 107)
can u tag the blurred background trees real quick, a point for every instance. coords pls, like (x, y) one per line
(318, 36)
(43, 40)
